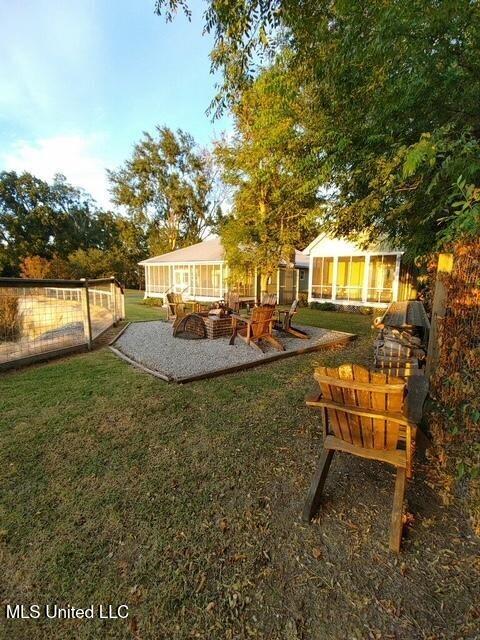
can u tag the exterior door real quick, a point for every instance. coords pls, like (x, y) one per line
(181, 280)
(287, 286)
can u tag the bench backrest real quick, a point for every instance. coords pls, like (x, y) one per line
(233, 302)
(355, 386)
(174, 299)
(262, 320)
(293, 308)
(269, 299)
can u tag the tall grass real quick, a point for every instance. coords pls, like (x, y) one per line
(10, 329)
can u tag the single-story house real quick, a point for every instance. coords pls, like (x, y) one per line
(342, 273)
(200, 272)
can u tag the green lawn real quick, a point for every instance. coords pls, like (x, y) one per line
(183, 502)
(135, 309)
(350, 322)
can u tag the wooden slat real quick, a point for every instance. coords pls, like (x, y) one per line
(396, 457)
(378, 402)
(395, 404)
(327, 394)
(337, 395)
(398, 418)
(363, 400)
(351, 384)
(345, 372)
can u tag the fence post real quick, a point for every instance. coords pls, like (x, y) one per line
(87, 323)
(113, 295)
(439, 305)
(121, 293)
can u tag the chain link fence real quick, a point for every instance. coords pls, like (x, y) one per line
(41, 318)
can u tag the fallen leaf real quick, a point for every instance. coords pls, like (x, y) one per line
(223, 524)
(316, 553)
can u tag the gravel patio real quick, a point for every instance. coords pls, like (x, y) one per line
(152, 346)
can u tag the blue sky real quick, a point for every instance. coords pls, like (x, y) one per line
(80, 81)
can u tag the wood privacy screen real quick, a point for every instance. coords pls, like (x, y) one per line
(454, 349)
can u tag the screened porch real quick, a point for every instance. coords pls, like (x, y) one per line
(200, 281)
(371, 279)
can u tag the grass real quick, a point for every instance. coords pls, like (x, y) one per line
(135, 310)
(183, 502)
(349, 322)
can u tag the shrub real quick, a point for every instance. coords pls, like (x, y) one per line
(323, 306)
(35, 267)
(9, 316)
(367, 311)
(302, 300)
(153, 302)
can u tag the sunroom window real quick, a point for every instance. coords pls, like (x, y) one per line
(207, 280)
(322, 278)
(350, 275)
(380, 278)
(158, 278)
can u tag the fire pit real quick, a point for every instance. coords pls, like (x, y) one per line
(217, 326)
(204, 325)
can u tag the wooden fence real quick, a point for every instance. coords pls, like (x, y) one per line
(454, 348)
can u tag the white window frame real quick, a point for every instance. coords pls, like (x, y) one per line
(365, 288)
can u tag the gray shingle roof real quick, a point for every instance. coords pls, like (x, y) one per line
(207, 251)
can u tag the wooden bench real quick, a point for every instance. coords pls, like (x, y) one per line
(363, 413)
(256, 328)
(284, 322)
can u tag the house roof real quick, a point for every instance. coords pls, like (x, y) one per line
(207, 251)
(380, 244)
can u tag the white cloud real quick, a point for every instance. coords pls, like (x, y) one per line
(75, 156)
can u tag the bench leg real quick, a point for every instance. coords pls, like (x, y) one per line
(234, 333)
(397, 511)
(316, 487)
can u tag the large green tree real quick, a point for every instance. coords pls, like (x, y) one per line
(271, 165)
(44, 219)
(167, 187)
(397, 87)
(56, 230)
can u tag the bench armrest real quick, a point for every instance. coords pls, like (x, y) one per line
(399, 418)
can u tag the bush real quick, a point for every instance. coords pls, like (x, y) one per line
(153, 302)
(367, 311)
(9, 316)
(323, 306)
(34, 267)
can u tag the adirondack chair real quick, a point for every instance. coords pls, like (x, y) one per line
(363, 413)
(257, 327)
(284, 322)
(233, 302)
(177, 307)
